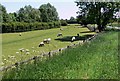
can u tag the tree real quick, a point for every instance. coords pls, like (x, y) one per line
(3, 15)
(35, 15)
(72, 20)
(48, 13)
(63, 22)
(29, 14)
(97, 12)
(12, 17)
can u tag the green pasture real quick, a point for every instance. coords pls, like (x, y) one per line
(12, 42)
(97, 59)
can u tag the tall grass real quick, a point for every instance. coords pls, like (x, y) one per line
(97, 59)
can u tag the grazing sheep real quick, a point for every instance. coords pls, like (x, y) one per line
(41, 44)
(59, 34)
(45, 41)
(73, 38)
(48, 40)
(61, 29)
(20, 34)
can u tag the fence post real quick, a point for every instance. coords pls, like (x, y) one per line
(49, 54)
(35, 59)
(68, 46)
(17, 65)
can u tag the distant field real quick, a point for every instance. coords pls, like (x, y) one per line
(116, 24)
(95, 60)
(12, 42)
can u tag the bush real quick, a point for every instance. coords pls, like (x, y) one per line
(51, 25)
(23, 26)
(63, 23)
(57, 24)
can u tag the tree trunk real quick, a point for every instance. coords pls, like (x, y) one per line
(99, 17)
(99, 28)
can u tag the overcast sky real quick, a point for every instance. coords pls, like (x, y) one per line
(65, 8)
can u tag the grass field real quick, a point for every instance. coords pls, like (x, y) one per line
(115, 24)
(12, 42)
(97, 59)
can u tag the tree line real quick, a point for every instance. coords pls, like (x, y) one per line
(29, 18)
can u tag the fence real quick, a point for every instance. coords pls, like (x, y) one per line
(48, 54)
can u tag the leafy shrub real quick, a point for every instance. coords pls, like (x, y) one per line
(23, 26)
(63, 22)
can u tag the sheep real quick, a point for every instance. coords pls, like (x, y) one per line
(20, 34)
(97, 31)
(59, 34)
(48, 40)
(73, 38)
(61, 29)
(45, 41)
(41, 44)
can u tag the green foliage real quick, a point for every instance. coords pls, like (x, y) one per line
(28, 18)
(3, 14)
(29, 14)
(12, 17)
(72, 20)
(48, 13)
(22, 26)
(97, 12)
(63, 22)
(97, 59)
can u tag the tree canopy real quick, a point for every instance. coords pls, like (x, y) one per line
(29, 18)
(97, 12)
(45, 13)
(3, 14)
(48, 13)
(28, 14)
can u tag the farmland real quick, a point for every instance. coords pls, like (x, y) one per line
(51, 41)
(97, 59)
(12, 42)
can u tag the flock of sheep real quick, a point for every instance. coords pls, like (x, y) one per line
(47, 41)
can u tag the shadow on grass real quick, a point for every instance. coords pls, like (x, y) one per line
(68, 38)
(87, 32)
(112, 29)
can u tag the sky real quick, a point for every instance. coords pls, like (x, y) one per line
(65, 8)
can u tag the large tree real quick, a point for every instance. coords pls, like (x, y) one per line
(97, 12)
(29, 14)
(12, 17)
(3, 14)
(48, 13)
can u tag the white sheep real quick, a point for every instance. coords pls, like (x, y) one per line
(73, 38)
(61, 29)
(48, 40)
(20, 34)
(41, 44)
(59, 34)
(45, 41)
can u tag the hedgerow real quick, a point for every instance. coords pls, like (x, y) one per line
(23, 26)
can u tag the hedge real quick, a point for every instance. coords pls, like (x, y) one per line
(22, 26)
(63, 22)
